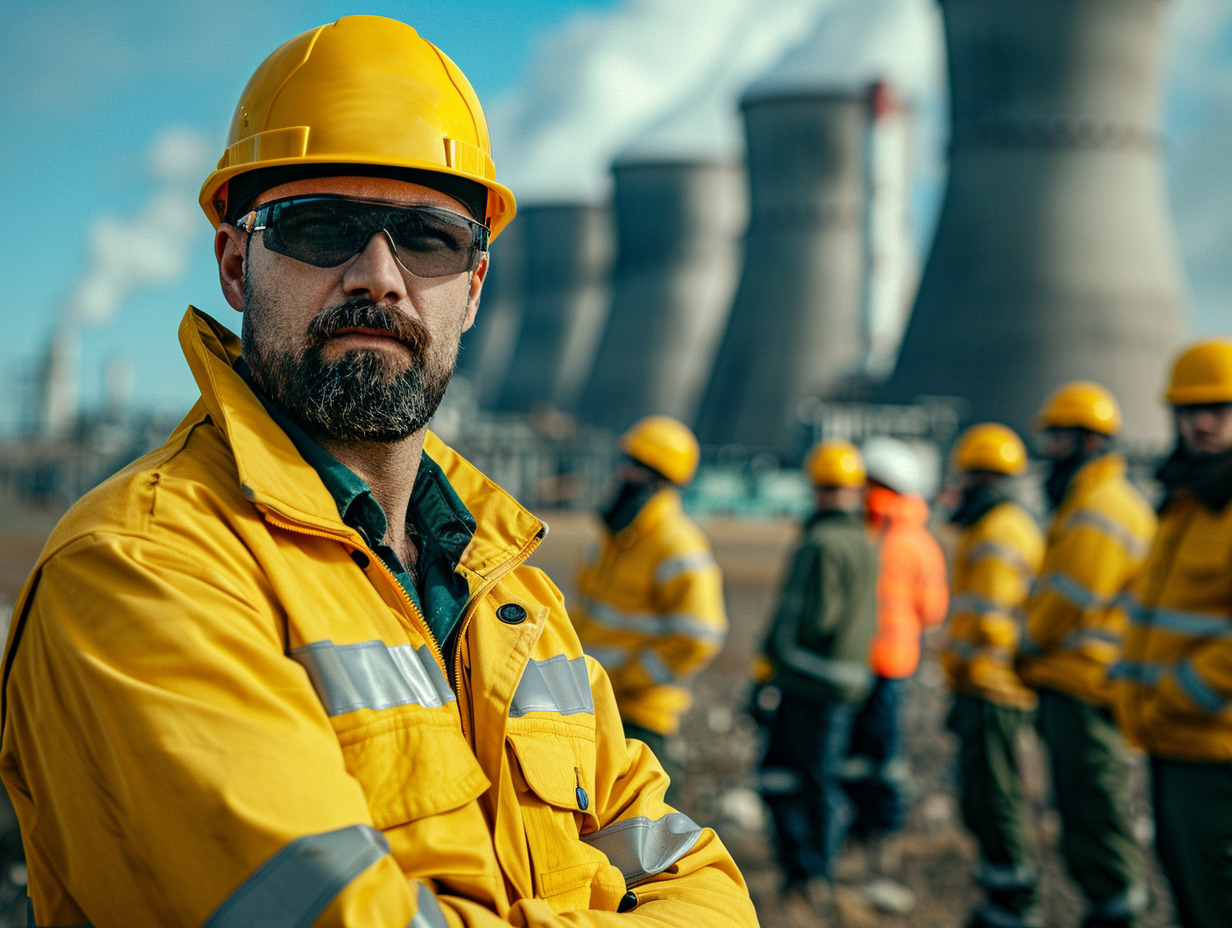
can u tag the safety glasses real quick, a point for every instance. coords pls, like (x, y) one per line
(326, 231)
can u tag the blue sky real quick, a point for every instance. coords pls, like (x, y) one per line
(91, 88)
(112, 114)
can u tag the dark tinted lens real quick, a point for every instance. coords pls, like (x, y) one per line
(433, 243)
(323, 233)
(326, 232)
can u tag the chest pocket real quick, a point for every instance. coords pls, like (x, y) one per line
(553, 768)
(397, 724)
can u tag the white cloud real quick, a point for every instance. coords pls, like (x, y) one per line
(152, 247)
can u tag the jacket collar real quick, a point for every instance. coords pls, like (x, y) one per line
(662, 505)
(1105, 467)
(276, 478)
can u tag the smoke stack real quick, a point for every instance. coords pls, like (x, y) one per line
(1055, 256)
(893, 269)
(58, 384)
(796, 328)
(677, 228)
(568, 255)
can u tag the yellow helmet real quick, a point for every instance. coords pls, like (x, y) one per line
(835, 463)
(991, 447)
(1081, 404)
(365, 90)
(665, 445)
(1202, 374)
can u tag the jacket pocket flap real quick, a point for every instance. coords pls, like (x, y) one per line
(410, 769)
(558, 770)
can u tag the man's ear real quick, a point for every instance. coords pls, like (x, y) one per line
(231, 249)
(472, 300)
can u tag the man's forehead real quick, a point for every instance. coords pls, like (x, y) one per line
(389, 189)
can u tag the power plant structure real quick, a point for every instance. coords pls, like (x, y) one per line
(486, 351)
(1055, 256)
(797, 327)
(567, 251)
(678, 226)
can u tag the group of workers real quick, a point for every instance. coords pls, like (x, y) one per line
(1114, 625)
(291, 668)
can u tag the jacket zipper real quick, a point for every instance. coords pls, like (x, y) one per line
(373, 558)
(469, 612)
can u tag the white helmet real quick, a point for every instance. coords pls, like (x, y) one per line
(893, 463)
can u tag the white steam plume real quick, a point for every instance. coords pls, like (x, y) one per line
(150, 247)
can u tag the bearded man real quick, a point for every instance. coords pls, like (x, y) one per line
(290, 669)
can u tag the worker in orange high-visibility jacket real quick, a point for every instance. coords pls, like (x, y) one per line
(291, 668)
(1174, 681)
(912, 595)
(650, 606)
(1099, 534)
(998, 554)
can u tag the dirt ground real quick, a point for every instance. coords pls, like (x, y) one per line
(720, 746)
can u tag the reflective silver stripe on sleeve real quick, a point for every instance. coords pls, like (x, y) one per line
(299, 882)
(610, 658)
(968, 651)
(1076, 639)
(1199, 690)
(370, 675)
(980, 605)
(1108, 526)
(559, 684)
(1002, 552)
(1138, 671)
(656, 669)
(673, 567)
(429, 914)
(639, 848)
(1072, 590)
(1181, 622)
(659, 625)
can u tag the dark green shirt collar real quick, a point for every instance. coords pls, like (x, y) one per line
(443, 523)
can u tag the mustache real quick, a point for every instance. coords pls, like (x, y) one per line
(365, 314)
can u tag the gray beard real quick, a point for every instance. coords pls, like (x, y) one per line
(360, 397)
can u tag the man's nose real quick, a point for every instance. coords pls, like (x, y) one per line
(375, 271)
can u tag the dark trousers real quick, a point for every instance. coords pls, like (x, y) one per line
(1090, 782)
(1193, 836)
(799, 780)
(876, 773)
(992, 803)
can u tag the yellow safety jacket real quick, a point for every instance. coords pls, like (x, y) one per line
(1174, 682)
(220, 709)
(997, 558)
(651, 611)
(1095, 546)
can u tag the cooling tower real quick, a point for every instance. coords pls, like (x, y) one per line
(678, 224)
(1055, 255)
(565, 294)
(487, 349)
(796, 326)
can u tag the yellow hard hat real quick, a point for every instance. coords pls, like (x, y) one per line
(665, 445)
(1081, 404)
(992, 447)
(835, 463)
(365, 91)
(1202, 374)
